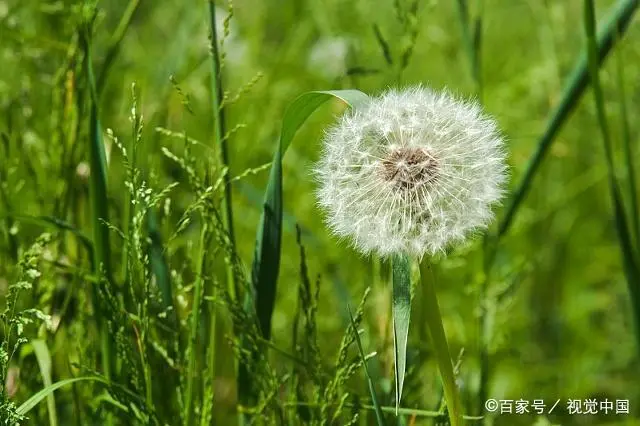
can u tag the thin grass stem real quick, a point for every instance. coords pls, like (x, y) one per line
(193, 329)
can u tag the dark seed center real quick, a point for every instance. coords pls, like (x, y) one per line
(409, 168)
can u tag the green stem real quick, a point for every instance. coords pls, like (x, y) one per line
(220, 136)
(626, 146)
(440, 346)
(472, 37)
(100, 210)
(208, 385)
(116, 42)
(195, 323)
(219, 126)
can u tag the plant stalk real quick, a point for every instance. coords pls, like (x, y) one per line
(440, 346)
(195, 324)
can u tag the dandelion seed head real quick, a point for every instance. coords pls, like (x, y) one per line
(412, 171)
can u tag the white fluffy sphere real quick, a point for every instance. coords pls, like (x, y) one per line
(412, 171)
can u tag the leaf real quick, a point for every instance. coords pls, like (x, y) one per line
(44, 363)
(98, 176)
(372, 389)
(54, 222)
(35, 399)
(266, 261)
(158, 262)
(99, 204)
(401, 314)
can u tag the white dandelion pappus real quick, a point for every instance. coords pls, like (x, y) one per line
(412, 171)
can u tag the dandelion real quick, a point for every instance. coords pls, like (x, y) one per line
(413, 171)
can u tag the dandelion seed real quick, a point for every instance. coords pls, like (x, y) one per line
(412, 171)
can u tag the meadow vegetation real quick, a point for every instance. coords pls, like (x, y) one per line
(164, 261)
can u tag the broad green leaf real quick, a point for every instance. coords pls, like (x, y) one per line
(35, 399)
(440, 346)
(99, 203)
(266, 263)
(401, 315)
(98, 176)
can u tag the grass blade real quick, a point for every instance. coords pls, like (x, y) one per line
(401, 271)
(632, 271)
(372, 388)
(626, 143)
(98, 176)
(192, 356)
(44, 362)
(158, 262)
(48, 390)
(54, 222)
(578, 80)
(472, 39)
(266, 261)
(440, 346)
(99, 202)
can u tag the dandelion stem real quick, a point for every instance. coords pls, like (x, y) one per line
(440, 346)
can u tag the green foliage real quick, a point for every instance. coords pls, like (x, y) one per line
(15, 319)
(152, 290)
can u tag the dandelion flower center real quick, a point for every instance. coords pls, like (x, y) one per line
(409, 168)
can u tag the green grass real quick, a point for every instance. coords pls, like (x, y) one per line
(187, 276)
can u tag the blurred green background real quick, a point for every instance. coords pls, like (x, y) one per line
(558, 319)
